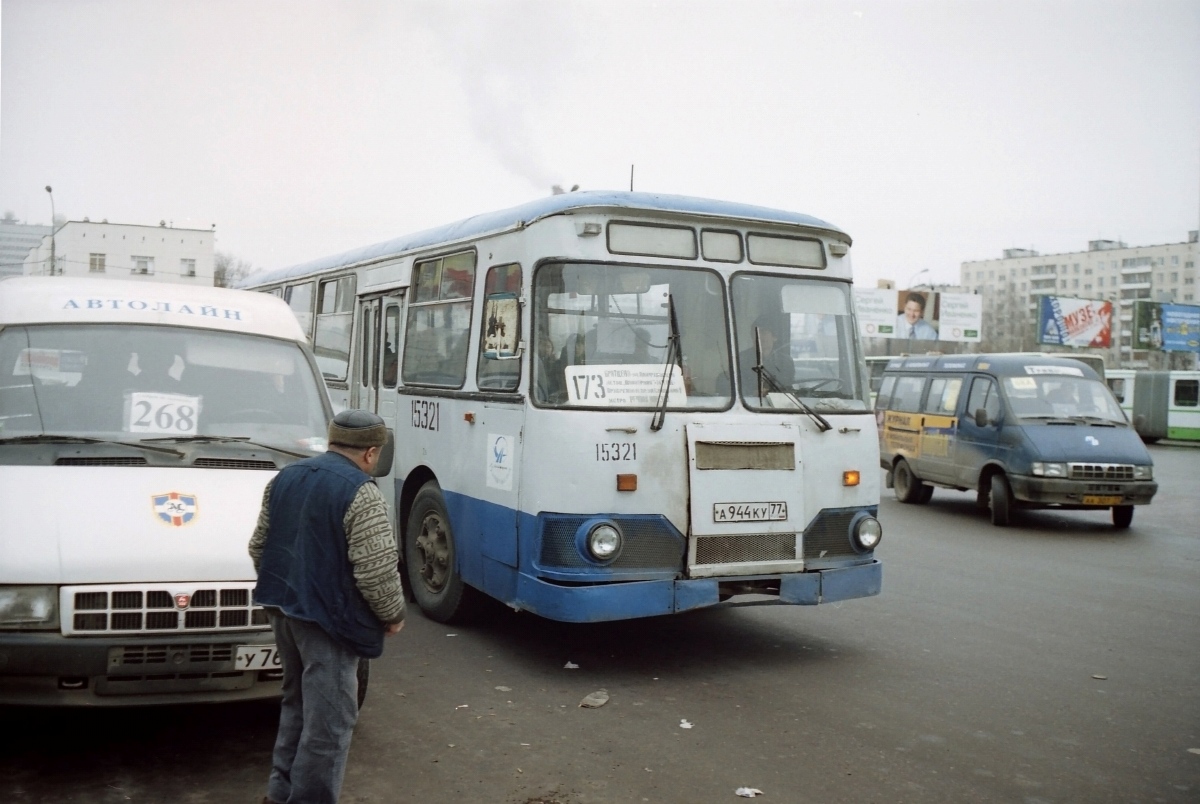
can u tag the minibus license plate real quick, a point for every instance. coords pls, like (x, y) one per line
(750, 512)
(257, 657)
(1092, 499)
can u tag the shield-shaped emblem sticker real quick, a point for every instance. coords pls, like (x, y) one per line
(175, 508)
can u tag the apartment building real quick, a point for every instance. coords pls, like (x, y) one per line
(127, 251)
(1012, 286)
(16, 239)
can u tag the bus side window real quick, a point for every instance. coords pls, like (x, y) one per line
(907, 396)
(391, 345)
(335, 319)
(1187, 393)
(492, 374)
(984, 395)
(885, 393)
(300, 299)
(436, 340)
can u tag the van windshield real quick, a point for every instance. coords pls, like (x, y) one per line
(136, 383)
(1061, 396)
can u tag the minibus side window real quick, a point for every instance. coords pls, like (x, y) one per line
(885, 393)
(943, 395)
(1187, 393)
(907, 396)
(984, 395)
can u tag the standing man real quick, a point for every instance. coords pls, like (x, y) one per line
(911, 322)
(327, 576)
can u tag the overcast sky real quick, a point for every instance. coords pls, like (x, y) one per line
(932, 132)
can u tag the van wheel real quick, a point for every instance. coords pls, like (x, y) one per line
(925, 495)
(1001, 502)
(364, 675)
(1122, 516)
(429, 555)
(908, 487)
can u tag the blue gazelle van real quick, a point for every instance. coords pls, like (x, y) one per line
(1023, 431)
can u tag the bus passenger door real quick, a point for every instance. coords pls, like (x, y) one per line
(364, 392)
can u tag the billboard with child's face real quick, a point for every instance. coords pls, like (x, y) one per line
(918, 315)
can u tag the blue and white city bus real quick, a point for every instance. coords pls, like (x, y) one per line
(611, 405)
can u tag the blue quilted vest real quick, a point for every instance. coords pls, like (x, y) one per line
(305, 570)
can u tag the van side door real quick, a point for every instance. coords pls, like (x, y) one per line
(939, 428)
(976, 445)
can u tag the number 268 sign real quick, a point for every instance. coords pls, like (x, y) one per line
(162, 413)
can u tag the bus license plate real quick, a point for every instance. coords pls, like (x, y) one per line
(750, 512)
(1092, 499)
(257, 657)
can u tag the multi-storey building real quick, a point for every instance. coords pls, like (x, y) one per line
(1012, 286)
(151, 253)
(15, 241)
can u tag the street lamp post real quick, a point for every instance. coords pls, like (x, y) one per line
(909, 286)
(50, 192)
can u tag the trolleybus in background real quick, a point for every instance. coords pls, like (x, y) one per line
(611, 405)
(1166, 404)
(139, 424)
(1120, 382)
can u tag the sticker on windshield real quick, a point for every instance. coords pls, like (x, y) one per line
(635, 385)
(169, 414)
(1027, 383)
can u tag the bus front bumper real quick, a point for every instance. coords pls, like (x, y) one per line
(626, 600)
(1041, 491)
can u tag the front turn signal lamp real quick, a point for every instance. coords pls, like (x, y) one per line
(851, 477)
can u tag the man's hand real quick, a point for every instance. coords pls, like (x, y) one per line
(393, 628)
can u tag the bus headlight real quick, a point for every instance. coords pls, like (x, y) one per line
(604, 541)
(866, 534)
(29, 607)
(1048, 469)
(1143, 473)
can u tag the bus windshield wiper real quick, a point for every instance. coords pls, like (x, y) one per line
(215, 439)
(674, 358)
(53, 438)
(765, 377)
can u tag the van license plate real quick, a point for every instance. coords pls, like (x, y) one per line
(258, 657)
(750, 512)
(1092, 499)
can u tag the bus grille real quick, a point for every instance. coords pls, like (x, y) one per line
(1100, 471)
(156, 609)
(828, 535)
(650, 543)
(742, 547)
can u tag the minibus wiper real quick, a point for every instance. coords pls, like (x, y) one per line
(51, 438)
(765, 376)
(1095, 421)
(674, 358)
(211, 439)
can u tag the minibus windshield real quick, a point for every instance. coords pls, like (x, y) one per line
(803, 333)
(1062, 396)
(603, 334)
(131, 383)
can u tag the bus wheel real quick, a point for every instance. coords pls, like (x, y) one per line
(429, 554)
(1001, 501)
(364, 675)
(907, 486)
(1122, 516)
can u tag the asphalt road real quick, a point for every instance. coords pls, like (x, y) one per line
(1054, 661)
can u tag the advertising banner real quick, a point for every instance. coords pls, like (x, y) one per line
(918, 315)
(1166, 327)
(1064, 321)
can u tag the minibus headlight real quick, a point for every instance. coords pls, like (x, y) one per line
(1041, 469)
(604, 542)
(867, 533)
(1143, 473)
(29, 607)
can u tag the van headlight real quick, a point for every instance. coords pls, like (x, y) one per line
(866, 534)
(29, 607)
(1143, 473)
(1041, 469)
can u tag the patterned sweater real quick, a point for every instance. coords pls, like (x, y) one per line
(370, 547)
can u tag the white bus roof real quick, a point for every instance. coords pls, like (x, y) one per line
(565, 203)
(78, 300)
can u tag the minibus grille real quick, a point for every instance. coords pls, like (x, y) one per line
(160, 609)
(1100, 471)
(650, 543)
(101, 461)
(232, 463)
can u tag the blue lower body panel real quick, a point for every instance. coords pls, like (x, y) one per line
(629, 600)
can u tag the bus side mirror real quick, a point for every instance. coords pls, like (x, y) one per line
(387, 454)
(502, 327)
(981, 417)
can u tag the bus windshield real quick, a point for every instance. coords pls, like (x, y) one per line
(603, 335)
(1061, 396)
(804, 333)
(148, 382)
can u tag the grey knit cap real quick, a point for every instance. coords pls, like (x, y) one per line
(357, 428)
